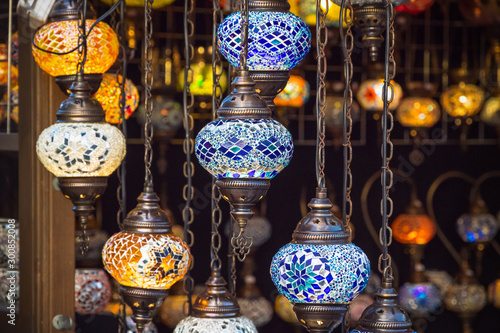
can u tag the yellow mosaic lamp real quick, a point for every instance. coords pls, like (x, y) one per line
(109, 95)
(60, 35)
(306, 10)
(140, 3)
(462, 100)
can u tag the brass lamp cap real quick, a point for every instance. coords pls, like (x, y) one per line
(216, 301)
(244, 101)
(65, 10)
(320, 226)
(81, 106)
(268, 5)
(147, 216)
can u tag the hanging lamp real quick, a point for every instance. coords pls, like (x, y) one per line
(145, 258)
(277, 42)
(55, 44)
(244, 148)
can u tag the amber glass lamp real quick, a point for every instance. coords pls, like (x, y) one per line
(295, 94)
(462, 100)
(60, 35)
(369, 95)
(419, 111)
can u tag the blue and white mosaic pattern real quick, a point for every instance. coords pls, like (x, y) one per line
(244, 148)
(477, 227)
(276, 41)
(320, 273)
(419, 298)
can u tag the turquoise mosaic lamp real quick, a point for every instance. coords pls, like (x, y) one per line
(278, 40)
(320, 271)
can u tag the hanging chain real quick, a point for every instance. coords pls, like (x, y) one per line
(188, 145)
(321, 42)
(348, 46)
(148, 83)
(386, 205)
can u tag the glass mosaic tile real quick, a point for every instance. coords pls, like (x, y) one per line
(216, 325)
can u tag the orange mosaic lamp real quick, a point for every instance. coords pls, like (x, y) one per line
(414, 226)
(295, 94)
(109, 95)
(60, 35)
(145, 258)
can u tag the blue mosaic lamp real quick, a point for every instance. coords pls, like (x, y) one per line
(278, 40)
(244, 149)
(477, 226)
(419, 299)
(320, 271)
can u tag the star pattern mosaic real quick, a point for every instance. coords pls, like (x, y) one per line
(212, 325)
(92, 291)
(149, 261)
(276, 40)
(244, 148)
(320, 273)
(81, 149)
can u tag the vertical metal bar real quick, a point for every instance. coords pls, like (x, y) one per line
(9, 63)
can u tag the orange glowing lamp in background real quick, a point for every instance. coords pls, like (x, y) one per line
(109, 95)
(414, 226)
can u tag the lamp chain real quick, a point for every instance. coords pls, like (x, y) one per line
(188, 145)
(244, 35)
(321, 42)
(117, 22)
(148, 82)
(348, 46)
(386, 205)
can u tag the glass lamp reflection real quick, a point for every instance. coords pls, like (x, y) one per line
(276, 40)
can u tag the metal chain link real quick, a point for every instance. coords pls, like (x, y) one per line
(321, 42)
(148, 83)
(188, 145)
(244, 35)
(386, 205)
(348, 96)
(216, 242)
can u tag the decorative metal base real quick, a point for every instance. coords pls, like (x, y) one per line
(370, 19)
(143, 302)
(83, 192)
(65, 81)
(320, 317)
(269, 84)
(242, 194)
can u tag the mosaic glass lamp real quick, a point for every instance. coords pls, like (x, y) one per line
(307, 11)
(81, 149)
(494, 293)
(414, 226)
(109, 95)
(320, 271)
(166, 118)
(418, 112)
(284, 309)
(140, 3)
(385, 315)
(92, 291)
(202, 80)
(477, 226)
(278, 40)
(462, 100)
(244, 148)
(145, 258)
(295, 94)
(216, 310)
(419, 299)
(370, 16)
(490, 114)
(14, 104)
(369, 95)
(60, 34)
(415, 7)
(4, 75)
(253, 305)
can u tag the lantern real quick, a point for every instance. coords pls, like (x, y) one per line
(462, 100)
(419, 298)
(307, 11)
(295, 94)
(415, 112)
(92, 291)
(369, 95)
(109, 95)
(494, 293)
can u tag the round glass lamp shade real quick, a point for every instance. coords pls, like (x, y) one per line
(307, 11)
(148, 261)
(418, 112)
(465, 298)
(369, 95)
(62, 36)
(307, 273)
(490, 114)
(4, 74)
(462, 100)
(244, 148)
(14, 105)
(140, 3)
(220, 325)
(92, 291)
(295, 94)
(109, 95)
(334, 108)
(477, 227)
(494, 293)
(259, 310)
(276, 40)
(413, 229)
(419, 298)
(202, 81)
(81, 149)
(415, 6)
